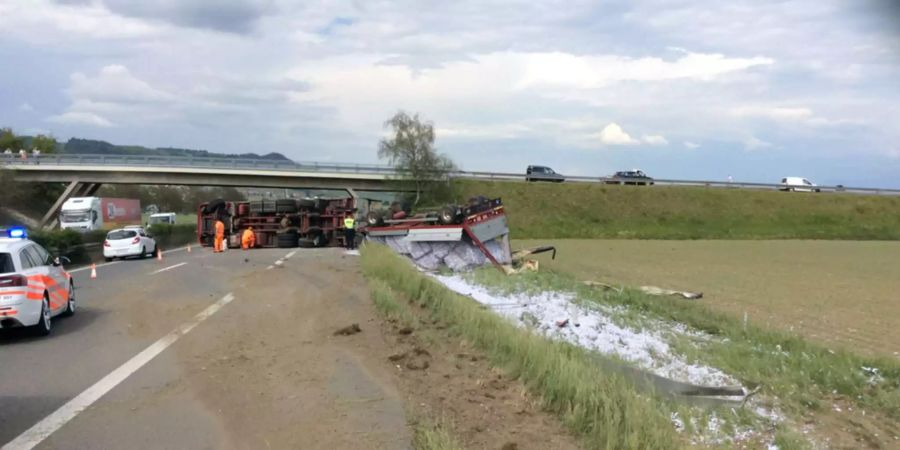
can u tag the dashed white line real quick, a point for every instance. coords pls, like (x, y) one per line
(288, 256)
(167, 268)
(270, 267)
(41, 430)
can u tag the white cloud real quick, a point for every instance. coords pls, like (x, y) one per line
(754, 143)
(691, 145)
(26, 107)
(613, 134)
(81, 118)
(654, 140)
(778, 113)
(115, 84)
(589, 72)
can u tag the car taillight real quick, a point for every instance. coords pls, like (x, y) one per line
(13, 281)
(136, 240)
(106, 244)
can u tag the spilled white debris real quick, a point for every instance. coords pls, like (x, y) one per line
(556, 315)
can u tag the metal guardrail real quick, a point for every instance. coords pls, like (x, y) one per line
(63, 159)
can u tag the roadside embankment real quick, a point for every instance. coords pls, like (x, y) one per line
(582, 210)
(603, 408)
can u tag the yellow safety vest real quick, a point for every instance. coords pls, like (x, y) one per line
(349, 223)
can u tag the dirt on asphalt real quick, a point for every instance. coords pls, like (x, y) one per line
(276, 372)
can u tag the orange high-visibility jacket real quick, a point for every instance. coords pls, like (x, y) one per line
(220, 229)
(248, 236)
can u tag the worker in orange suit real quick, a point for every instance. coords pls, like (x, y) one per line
(248, 239)
(220, 236)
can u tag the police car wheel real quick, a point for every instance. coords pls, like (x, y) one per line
(108, 259)
(42, 328)
(70, 305)
(143, 253)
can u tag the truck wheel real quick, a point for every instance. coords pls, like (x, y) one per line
(285, 206)
(287, 240)
(306, 243)
(375, 218)
(449, 215)
(313, 215)
(319, 240)
(306, 203)
(314, 230)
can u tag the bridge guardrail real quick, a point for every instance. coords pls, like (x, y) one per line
(342, 168)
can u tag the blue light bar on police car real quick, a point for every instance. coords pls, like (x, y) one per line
(16, 232)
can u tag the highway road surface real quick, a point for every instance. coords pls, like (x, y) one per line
(204, 350)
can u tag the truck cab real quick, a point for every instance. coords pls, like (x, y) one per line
(81, 214)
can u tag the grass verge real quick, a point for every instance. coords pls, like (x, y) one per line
(434, 436)
(801, 374)
(582, 210)
(604, 409)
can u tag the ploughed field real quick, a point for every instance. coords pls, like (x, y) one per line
(841, 293)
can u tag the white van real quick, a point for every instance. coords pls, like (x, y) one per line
(154, 219)
(797, 184)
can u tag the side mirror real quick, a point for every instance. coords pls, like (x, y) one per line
(60, 260)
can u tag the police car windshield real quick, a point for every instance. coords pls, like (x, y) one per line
(121, 234)
(6, 263)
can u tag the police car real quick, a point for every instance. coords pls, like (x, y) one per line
(34, 287)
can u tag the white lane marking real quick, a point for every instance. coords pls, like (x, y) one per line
(50, 424)
(270, 267)
(167, 268)
(121, 261)
(279, 262)
(288, 256)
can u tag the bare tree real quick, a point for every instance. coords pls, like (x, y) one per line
(411, 151)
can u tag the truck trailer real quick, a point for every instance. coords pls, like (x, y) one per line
(283, 223)
(98, 213)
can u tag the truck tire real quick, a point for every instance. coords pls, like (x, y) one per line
(285, 206)
(268, 206)
(321, 204)
(307, 203)
(306, 243)
(286, 240)
(256, 206)
(214, 206)
(449, 215)
(319, 240)
(375, 218)
(314, 230)
(313, 216)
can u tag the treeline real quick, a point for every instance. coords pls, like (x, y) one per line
(95, 147)
(178, 199)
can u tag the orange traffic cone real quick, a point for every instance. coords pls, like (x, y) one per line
(93, 271)
(158, 254)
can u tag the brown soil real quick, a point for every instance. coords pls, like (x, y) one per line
(284, 367)
(449, 382)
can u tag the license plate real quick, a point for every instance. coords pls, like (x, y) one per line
(121, 252)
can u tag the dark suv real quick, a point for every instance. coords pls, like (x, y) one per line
(632, 177)
(542, 173)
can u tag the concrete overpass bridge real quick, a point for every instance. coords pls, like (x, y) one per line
(84, 174)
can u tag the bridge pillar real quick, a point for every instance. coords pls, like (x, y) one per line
(51, 214)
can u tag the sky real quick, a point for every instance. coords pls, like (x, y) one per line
(682, 89)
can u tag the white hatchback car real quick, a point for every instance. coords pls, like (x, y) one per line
(34, 287)
(798, 184)
(128, 241)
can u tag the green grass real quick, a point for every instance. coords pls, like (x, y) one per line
(581, 210)
(799, 373)
(434, 436)
(603, 408)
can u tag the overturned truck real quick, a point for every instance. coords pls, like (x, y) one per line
(283, 223)
(460, 237)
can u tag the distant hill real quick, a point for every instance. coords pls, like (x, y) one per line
(90, 146)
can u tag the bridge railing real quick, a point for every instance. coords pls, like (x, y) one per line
(65, 159)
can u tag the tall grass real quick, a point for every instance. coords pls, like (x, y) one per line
(433, 436)
(601, 407)
(800, 373)
(580, 210)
